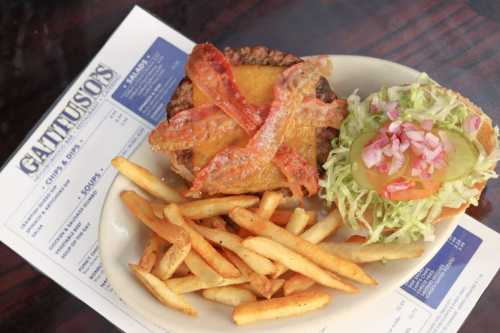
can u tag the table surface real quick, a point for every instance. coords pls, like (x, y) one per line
(45, 44)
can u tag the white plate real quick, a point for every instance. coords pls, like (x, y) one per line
(122, 239)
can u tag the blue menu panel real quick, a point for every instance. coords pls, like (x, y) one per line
(148, 87)
(431, 284)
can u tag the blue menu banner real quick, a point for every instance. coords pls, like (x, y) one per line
(148, 87)
(431, 284)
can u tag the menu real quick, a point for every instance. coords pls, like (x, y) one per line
(58, 179)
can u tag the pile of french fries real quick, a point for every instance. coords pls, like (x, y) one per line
(244, 251)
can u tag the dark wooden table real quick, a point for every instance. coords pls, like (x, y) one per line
(45, 44)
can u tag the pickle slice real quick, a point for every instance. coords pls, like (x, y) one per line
(358, 169)
(463, 157)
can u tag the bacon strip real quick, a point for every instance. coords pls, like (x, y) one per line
(317, 113)
(294, 85)
(191, 127)
(234, 163)
(226, 168)
(212, 74)
(297, 171)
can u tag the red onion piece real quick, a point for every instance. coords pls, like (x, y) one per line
(415, 135)
(431, 140)
(372, 156)
(391, 109)
(394, 126)
(472, 123)
(427, 124)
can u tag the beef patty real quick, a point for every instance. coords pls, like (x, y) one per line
(182, 99)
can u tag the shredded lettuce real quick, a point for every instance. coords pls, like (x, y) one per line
(411, 220)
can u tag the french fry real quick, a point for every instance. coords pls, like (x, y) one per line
(296, 262)
(281, 217)
(146, 180)
(191, 283)
(324, 228)
(296, 225)
(159, 257)
(313, 216)
(232, 242)
(298, 221)
(276, 285)
(289, 202)
(157, 209)
(161, 292)
(259, 226)
(316, 234)
(171, 260)
(244, 233)
(361, 253)
(141, 209)
(201, 245)
(151, 252)
(229, 295)
(270, 200)
(297, 283)
(280, 270)
(259, 282)
(216, 222)
(182, 270)
(280, 307)
(201, 269)
(200, 209)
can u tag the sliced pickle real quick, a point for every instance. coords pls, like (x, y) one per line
(462, 159)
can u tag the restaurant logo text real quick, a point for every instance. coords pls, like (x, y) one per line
(83, 102)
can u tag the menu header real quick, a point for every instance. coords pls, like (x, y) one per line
(83, 102)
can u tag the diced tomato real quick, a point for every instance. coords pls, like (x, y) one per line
(425, 189)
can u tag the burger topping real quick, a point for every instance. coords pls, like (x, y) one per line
(211, 73)
(472, 124)
(393, 140)
(297, 171)
(230, 165)
(241, 120)
(435, 128)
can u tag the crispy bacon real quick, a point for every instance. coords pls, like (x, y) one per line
(317, 113)
(210, 71)
(297, 171)
(191, 127)
(224, 169)
(295, 84)
(234, 163)
(293, 93)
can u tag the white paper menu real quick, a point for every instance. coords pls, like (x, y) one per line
(58, 179)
